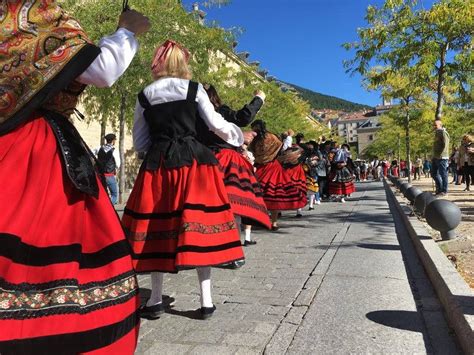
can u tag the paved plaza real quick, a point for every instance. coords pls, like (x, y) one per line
(343, 279)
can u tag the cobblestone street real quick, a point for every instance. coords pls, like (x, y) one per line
(336, 281)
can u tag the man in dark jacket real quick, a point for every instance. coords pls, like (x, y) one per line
(109, 161)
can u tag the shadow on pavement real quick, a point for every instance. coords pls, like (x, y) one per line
(406, 320)
(379, 246)
(194, 314)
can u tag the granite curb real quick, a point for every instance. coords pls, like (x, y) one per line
(456, 297)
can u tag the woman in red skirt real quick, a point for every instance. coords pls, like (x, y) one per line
(279, 190)
(245, 194)
(341, 182)
(66, 277)
(178, 215)
(292, 159)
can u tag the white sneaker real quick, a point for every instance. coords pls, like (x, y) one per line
(342, 200)
(318, 202)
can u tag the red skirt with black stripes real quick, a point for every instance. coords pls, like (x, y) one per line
(298, 177)
(245, 193)
(181, 218)
(279, 190)
(66, 277)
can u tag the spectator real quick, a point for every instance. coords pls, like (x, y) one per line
(394, 168)
(439, 167)
(403, 167)
(363, 170)
(466, 159)
(427, 168)
(453, 164)
(418, 166)
(109, 161)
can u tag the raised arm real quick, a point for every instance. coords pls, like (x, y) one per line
(229, 132)
(245, 115)
(117, 51)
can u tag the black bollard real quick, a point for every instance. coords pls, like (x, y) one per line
(411, 193)
(444, 216)
(398, 182)
(422, 200)
(405, 186)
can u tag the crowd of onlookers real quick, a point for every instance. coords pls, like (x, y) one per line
(459, 163)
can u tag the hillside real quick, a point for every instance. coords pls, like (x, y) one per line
(320, 101)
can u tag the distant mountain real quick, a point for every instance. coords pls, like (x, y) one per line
(320, 101)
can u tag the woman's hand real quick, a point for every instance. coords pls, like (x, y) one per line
(249, 136)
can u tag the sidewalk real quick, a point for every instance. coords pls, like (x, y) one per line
(332, 282)
(463, 259)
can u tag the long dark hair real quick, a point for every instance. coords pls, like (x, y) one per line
(259, 127)
(213, 96)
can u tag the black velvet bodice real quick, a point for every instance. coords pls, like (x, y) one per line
(173, 132)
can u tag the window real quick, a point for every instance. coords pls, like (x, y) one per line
(371, 137)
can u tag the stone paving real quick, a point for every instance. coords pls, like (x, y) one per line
(335, 281)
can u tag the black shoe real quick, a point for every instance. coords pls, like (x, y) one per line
(298, 215)
(249, 242)
(152, 312)
(207, 312)
(310, 208)
(275, 228)
(237, 264)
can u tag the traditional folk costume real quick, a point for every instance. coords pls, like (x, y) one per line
(279, 190)
(66, 277)
(310, 167)
(243, 189)
(290, 159)
(178, 215)
(340, 179)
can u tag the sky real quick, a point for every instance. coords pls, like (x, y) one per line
(299, 41)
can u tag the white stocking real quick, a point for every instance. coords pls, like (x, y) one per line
(248, 231)
(156, 289)
(204, 276)
(311, 201)
(238, 222)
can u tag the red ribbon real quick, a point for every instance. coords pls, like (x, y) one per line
(162, 53)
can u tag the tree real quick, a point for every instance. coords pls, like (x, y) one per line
(170, 20)
(437, 41)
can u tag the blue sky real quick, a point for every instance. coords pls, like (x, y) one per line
(299, 41)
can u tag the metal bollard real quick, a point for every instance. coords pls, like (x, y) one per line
(405, 186)
(411, 193)
(422, 200)
(444, 216)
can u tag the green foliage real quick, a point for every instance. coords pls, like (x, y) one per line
(423, 58)
(321, 101)
(456, 121)
(170, 21)
(436, 44)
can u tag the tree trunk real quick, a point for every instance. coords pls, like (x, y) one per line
(398, 146)
(441, 78)
(122, 147)
(103, 127)
(407, 143)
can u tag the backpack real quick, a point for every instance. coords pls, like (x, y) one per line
(106, 161)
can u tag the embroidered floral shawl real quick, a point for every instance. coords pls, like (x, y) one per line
(38, 41)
